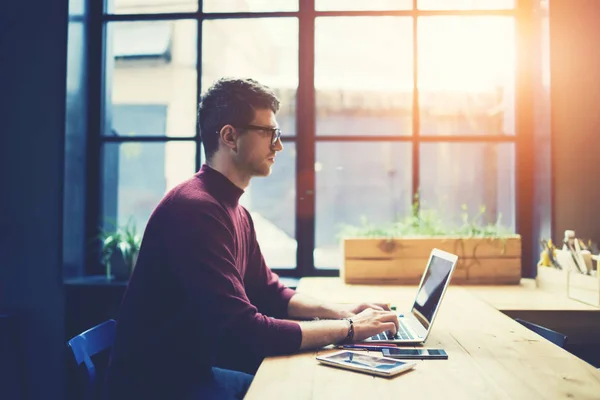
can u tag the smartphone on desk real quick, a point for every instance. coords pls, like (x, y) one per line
(409, 354)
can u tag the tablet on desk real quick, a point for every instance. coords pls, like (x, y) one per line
(370, 364)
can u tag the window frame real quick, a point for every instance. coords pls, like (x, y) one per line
(306, 143)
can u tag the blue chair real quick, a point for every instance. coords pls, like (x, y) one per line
(555, 337)
(89, 344)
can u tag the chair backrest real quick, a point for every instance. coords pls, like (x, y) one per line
(89, 343)
(555, 337)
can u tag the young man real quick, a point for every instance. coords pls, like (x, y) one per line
(202, 304)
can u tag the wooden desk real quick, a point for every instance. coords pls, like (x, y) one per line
(528, 296)
(490, 356)
(547, 307)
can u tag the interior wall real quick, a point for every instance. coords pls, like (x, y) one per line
(33, 46)
(575, 103)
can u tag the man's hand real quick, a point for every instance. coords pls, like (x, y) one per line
(350, 310)
(371, 322)
(366, 323)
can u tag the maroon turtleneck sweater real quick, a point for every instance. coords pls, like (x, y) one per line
(201, 295)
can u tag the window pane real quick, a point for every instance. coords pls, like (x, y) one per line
(467, 75)
(152, 78)
(471, 174)
(465, 4)
(363, 84)
(150, 6)
(356, 181)
(77, 8)
(249, 5)
(262, 49)
(74, 205)
(272, 203)
(137, 175)
(362, 5)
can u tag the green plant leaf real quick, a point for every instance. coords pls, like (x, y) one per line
(123, 239)
(428, 222)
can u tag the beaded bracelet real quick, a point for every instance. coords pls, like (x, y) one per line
(350, 337)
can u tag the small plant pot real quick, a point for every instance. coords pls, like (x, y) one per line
(118, 268)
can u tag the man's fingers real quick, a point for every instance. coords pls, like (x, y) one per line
(376, 307)
(391, 317)
(390, 327)
(383, 306)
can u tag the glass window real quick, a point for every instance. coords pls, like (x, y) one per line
(150, 6)
(210, 6)
(474, 175)
(362, 5)
(152, 63)
(357, 181)
(465, 4)
(363, 75)
(467, 75)
(265, 49)
(75, 157)
(272, 203)
(137, 175)
(364, 83)
(77, 8)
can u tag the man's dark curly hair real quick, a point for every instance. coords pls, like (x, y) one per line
(231, 101)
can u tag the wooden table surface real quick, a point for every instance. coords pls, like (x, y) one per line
(530, 295)
(546, 305)
(490, 357)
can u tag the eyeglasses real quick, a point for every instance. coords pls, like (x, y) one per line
(275, 132)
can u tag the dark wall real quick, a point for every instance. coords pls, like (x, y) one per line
(33, 49)
(575, 93)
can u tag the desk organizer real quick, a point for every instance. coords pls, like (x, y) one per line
(572, 284)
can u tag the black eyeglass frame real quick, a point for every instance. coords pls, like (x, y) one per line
(275, 132)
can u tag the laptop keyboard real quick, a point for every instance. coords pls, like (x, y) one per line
(402, 333)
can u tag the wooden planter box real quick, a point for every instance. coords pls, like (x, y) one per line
(402, 261)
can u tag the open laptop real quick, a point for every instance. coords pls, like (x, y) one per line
(415, 326)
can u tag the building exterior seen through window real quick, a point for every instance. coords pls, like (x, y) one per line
(364, 83)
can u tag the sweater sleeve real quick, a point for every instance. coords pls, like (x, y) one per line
(263, 286)
(199, 242)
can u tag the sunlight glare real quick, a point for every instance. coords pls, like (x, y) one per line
(466, 53)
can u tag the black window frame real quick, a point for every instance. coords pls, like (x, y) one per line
(307, 140)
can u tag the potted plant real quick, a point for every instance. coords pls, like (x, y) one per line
(120, 249)
(398, 252)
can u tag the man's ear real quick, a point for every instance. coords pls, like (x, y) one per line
(229, 137)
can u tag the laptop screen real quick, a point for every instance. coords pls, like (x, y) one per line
(430, 292)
